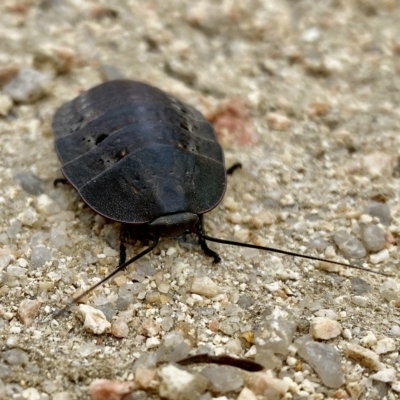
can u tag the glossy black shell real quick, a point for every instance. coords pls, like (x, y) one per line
(136, 153)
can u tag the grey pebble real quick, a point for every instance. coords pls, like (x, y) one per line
(349, 245)
(40, 255)
(223, 379)
(146, 269)
(14, 229)
(245, 301)
(379, 210)
(108, 310)
(39, 238)
(325, 360)
(28, 85)
(146, 360)
(173, 354)
(4, 260)
(319, 244)
(229, 326)
(15, 357)
(275, 331)
(373, 237)
(5, 370)
(167, 323)
(359, 286)
(123, 302)
(31, 183)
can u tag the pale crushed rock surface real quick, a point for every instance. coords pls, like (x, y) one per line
(321, 85)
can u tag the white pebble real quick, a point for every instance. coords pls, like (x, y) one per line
(94, 320)
(246, 394)
(46, 205)
(396, 387)
(22, 262)
(5, 104)
(28, 217)
(152, 342)
(379, 257)
(174, 382)
(109, 252)
(360, 301)
(347, 333)
(385, 375)
(31, 394)
(384, 345)
(395, 330)
(368, 340)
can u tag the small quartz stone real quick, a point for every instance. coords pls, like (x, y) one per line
(205, 286)
(373, 237)
(40, 255)
(275, 331)
(229, 326)
(324, 328)
(325, 359)
(349, 245)
(58, 237)
(94, 320)
(145, 269)
(177, 384)
(28, 217)
(223, 379)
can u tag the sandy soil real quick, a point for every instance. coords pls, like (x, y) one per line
(304, 94)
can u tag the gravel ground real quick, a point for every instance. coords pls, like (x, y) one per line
(306, 96)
